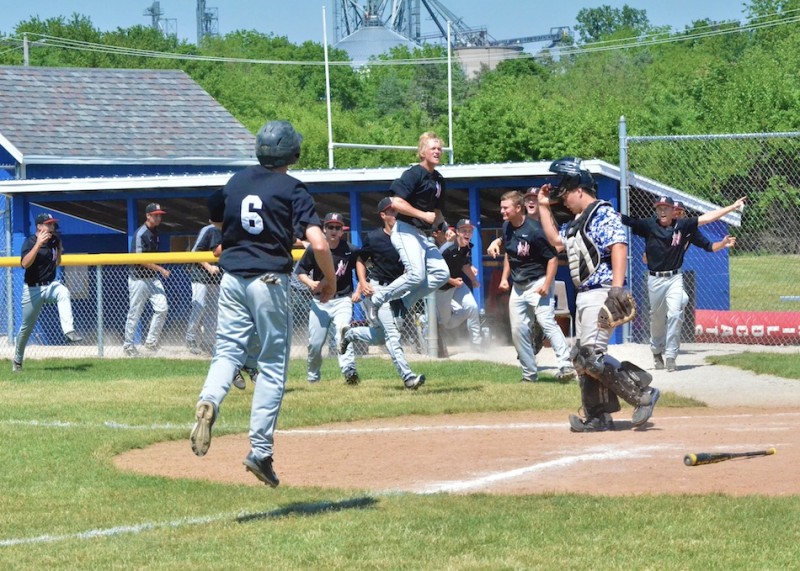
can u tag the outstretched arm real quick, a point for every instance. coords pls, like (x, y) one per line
(715, 215)
(727, 242)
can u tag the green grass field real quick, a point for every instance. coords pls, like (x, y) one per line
(64, 505)
(758, 282)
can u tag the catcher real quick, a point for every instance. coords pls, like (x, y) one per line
(596, 245)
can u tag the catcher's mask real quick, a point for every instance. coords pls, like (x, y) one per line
(571, 176)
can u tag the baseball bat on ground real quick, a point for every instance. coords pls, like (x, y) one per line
(714, 457)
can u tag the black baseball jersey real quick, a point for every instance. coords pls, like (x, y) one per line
(344, 261)
(43, 268)
(665, 246)
(144, 240)
(386, 264)
(456, 259)
(209, 238)
(262, 212)
(699, 239)
(421, 189)
(528, 250)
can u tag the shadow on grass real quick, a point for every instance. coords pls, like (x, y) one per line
(442, 390)
(80, 367)
(310, 509)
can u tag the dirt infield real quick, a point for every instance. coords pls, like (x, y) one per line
(511, 453)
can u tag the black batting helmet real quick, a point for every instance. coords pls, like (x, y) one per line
(571, 176)
(278, 144)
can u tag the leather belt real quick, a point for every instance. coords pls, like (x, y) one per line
(40, 284)
(667, 274)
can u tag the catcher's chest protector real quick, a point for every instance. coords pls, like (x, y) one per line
(583, 254)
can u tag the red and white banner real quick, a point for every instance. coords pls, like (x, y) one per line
(760, 327)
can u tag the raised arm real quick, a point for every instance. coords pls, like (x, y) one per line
(715, 215)
(547, 221)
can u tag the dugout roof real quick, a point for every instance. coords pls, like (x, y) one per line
(103, 199)
(98, 121)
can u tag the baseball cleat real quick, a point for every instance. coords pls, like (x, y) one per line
(201, 433)
(252, 373)
(73, 337)
(658, 361)
(262, 469)
(352, 378)
(671, 365)
(566, 374)
(238, 381)
(16, 366)
(343, 340)
(602, 423)
(194, 348)
(531, 380)
(415, 382)
(643, 412)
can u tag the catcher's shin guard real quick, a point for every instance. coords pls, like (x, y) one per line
(624, 379)
(596, 398)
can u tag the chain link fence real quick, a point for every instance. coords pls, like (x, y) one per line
(750, 294)
(5, 273)
(100, 305)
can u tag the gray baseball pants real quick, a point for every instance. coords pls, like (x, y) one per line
(247, 305)
(666, 314)
(139, 292)
(387, 333)
(205, 298)
(524, 305)
(339, 311)
(33, 298)
(426, 270)
(456, 305)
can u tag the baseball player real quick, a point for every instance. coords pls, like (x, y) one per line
(666, 240)
(418, 198)
(699, 239)
(144, 283)
(205, 279)
(386, 267)
(262, 210)
(454, 300)
(532, 264)
(40, 257)
(566, 372)
(339, 309)
(597, 251)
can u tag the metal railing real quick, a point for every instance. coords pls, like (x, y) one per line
(98, 284)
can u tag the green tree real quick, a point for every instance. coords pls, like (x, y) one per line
(597, 23)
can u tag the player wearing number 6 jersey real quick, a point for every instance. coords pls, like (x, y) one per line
(262, 210)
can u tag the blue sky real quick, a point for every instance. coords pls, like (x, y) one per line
(301, 20)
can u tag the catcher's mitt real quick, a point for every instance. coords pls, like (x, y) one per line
(619, 308)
